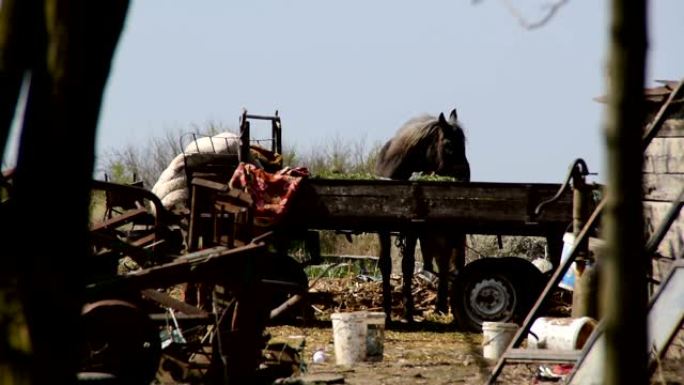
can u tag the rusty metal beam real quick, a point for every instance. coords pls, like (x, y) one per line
(168, 301)
(213, 263)
(138, 254)
(120, 220)
(162, 214)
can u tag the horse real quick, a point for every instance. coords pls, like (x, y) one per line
(425, 144)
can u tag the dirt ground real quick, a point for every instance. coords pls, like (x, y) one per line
(434, 356)
(427, 354)
(430, 352)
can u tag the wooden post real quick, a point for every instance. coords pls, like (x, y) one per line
(385, 263)
(625, 265)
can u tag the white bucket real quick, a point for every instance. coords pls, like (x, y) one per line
(560, 333)
(375, 335)
(496, 336)
(568, 280)
(349, 336)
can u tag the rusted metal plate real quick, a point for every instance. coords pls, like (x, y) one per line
(372, 205)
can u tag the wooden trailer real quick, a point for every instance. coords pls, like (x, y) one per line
(488, 289)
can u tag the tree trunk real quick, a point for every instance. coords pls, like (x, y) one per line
(69, 57)
(624, 294)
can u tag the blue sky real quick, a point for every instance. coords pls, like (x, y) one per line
(359, 69)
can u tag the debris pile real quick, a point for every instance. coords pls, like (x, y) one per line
(362, 292)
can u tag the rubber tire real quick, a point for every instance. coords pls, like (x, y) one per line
(515, 278)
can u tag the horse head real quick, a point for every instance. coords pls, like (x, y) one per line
(450, 148)
(426, 144)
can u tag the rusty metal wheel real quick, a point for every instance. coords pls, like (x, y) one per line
(121, 340)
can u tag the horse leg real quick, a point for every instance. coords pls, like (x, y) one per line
(457, 259)
(460, 255)
(408, 265)
(445, 266)
(437, 247)
(427, 252)
(385, 262)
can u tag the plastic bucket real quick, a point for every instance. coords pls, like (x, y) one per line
(560, 333)
(375, 335)
(568, 280)
(496, 336)
(349, 336)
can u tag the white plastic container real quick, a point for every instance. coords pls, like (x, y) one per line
(496, 336)
(560, 333)
(349, 336)
(375, 335)
(568, 280)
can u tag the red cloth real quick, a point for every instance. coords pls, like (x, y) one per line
(270, 192)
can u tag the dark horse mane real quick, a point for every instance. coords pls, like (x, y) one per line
(425, 144)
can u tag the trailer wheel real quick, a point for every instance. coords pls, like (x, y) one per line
(495, 290)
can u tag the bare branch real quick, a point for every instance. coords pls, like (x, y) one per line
(551, 9)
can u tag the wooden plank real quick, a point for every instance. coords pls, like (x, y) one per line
(394, 205)
(673, 243)
(662, 187)
(664, 155)
(209, 184)
(236, 194)
(228, 208)
(532, 356)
